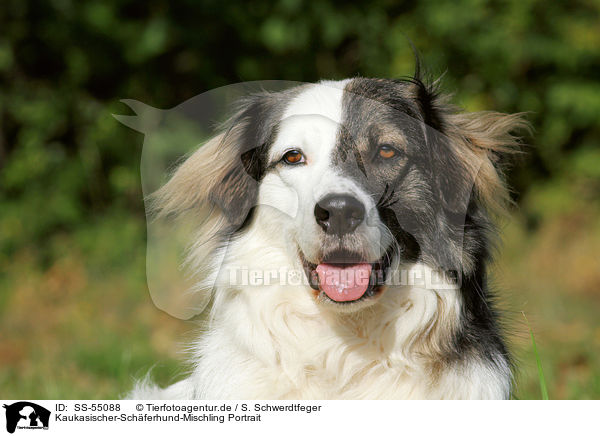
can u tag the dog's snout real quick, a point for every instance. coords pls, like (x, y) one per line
(339, 214)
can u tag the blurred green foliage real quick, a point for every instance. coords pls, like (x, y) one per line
(69, 172)
(64, 65)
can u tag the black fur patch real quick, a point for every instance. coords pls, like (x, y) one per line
(251, 132)
(425, 198)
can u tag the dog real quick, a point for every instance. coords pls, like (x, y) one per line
(375, 202)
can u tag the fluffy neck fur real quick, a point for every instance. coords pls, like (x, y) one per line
(279, 344)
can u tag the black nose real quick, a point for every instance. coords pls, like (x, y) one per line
(339, 214)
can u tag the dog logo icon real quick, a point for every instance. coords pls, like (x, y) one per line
(26, 415)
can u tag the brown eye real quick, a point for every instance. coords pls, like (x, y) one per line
(387, 152)
(293, 157)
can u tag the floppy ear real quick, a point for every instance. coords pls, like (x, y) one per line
(207, 199)
(213, 181)
(468, 150)
(222, 176)
(489, 138)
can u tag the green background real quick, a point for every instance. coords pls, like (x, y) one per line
(76, 320)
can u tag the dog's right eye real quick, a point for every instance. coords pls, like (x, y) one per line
(293, 157)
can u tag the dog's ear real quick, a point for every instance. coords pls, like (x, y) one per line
(208, 197)
(468, 150)
(191, 187)
(482, 142)
(222, 175)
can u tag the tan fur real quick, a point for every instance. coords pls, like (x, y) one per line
(476, 137)
(193, 180)
(186, 197)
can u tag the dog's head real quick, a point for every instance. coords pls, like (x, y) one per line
(354, 178)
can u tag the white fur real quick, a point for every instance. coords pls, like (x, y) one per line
(274, 341)
(310, 124)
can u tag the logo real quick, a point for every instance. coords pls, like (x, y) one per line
(26, 415)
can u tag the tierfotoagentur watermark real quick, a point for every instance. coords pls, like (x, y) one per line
(415, 276)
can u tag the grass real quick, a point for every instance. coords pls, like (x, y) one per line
(83, 325)
(543, 388)
(549, 268)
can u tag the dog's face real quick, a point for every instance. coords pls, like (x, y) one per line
(356, 178)
(343, 167)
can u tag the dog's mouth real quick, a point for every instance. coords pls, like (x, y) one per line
(345, 277)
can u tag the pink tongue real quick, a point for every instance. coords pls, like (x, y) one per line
(344, 284)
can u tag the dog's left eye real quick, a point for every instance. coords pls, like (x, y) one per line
(387, 151)
(293, 157)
